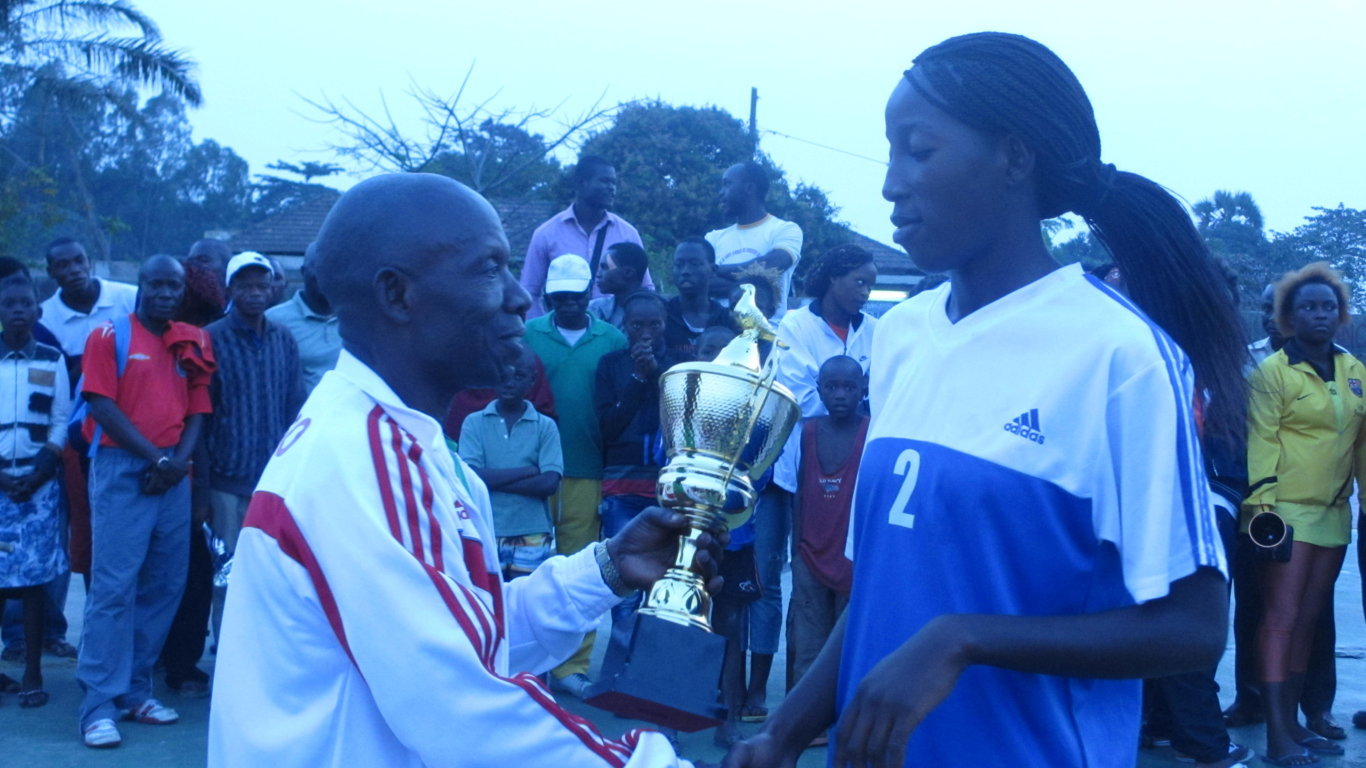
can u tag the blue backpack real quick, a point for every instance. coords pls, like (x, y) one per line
(123, 337)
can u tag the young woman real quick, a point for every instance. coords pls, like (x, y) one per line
(833, 324)
(1032, 530)
(34, 403)
(1307, 424)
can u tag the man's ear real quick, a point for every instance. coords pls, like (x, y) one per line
(394, 294)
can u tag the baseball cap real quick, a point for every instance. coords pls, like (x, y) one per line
(248, 259)
(567, 273)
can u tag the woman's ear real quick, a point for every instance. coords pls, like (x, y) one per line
(1019, 158)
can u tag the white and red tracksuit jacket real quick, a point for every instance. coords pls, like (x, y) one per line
(367, 624)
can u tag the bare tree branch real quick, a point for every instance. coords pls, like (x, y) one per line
(451, 133)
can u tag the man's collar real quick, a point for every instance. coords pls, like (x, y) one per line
(26, 351)
(529, 412)
(106, 298)
(238, 324)
(308, 311)
(422, 427)
(568, 215)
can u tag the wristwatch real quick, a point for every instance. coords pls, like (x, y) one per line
(610, 575)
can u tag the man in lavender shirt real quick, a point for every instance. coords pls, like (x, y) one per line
(577, 228)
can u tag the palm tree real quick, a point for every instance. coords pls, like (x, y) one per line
(1230, 216)
(107, 43)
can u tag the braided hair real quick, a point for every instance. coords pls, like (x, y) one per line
(836, 262)
(1004, 84)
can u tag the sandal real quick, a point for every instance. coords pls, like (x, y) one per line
(753, 714)
(1291, 760)
(1327, 728)
(33, 699)
(1321, 746)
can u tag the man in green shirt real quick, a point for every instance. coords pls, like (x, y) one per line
(308, 318)
(570, 343)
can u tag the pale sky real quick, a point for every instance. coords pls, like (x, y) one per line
(1260, 95)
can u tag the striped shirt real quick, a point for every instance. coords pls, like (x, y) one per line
(256, 391)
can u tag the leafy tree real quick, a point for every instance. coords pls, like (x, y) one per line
(669, 162)
(123, 177)
(1231, 225)
(1335, 235)
(501, 160)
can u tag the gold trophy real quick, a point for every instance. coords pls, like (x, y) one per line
(724, 423)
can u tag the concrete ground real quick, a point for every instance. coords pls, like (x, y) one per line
(47, 737)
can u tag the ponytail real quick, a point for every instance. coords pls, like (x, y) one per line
(1172, 277)
(1006, 84)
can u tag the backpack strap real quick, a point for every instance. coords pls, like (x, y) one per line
(123, 339)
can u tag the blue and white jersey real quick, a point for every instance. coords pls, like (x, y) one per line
(1039, 457)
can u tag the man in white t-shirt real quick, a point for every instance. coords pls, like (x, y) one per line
(758, 243)
(83, 302)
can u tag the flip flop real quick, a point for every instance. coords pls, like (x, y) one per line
(1292, 761)
(33, 699)
(1326, 728)
(753, 714)
(1321, 746)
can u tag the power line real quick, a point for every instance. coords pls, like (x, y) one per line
(825, 146)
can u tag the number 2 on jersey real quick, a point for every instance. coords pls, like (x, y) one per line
(906, 466)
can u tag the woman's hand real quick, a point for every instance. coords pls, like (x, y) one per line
(897, 694)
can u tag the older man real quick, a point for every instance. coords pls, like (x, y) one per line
(368, 623)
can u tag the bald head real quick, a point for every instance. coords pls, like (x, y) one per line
(158, 265)
(161, 288)
(415, 268)
(397, 220)
(841, 365)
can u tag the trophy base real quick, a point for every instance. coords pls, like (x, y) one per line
(671, 677)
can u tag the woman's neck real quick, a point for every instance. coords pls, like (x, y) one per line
(987, 278)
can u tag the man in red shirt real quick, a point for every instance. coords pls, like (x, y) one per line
(144, 422)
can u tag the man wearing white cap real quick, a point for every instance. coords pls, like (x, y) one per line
(570, 342)
(256, 393)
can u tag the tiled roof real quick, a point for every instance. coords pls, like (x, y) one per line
(289, 232)
(889, 260)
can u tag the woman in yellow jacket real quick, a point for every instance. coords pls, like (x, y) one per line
(1306, 442)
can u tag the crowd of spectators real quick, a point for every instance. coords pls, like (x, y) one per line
(137, 420)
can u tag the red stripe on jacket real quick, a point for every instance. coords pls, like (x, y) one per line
(269, 514)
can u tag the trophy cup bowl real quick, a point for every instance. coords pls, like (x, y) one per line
(724, 424)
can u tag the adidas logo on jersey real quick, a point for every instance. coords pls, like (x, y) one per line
(1026, 425)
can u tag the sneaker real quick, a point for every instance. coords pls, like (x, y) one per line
(1237, 753)
(12, 652)
(59, 648)
(151, 712)
(575, 685)
(101, 734)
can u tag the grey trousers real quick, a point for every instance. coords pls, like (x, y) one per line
(139, 554)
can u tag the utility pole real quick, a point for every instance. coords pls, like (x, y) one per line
(753, 121)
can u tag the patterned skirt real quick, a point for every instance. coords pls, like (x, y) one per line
(36, 531)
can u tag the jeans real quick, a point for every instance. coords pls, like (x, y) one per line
(772, 521)
(139, 558)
